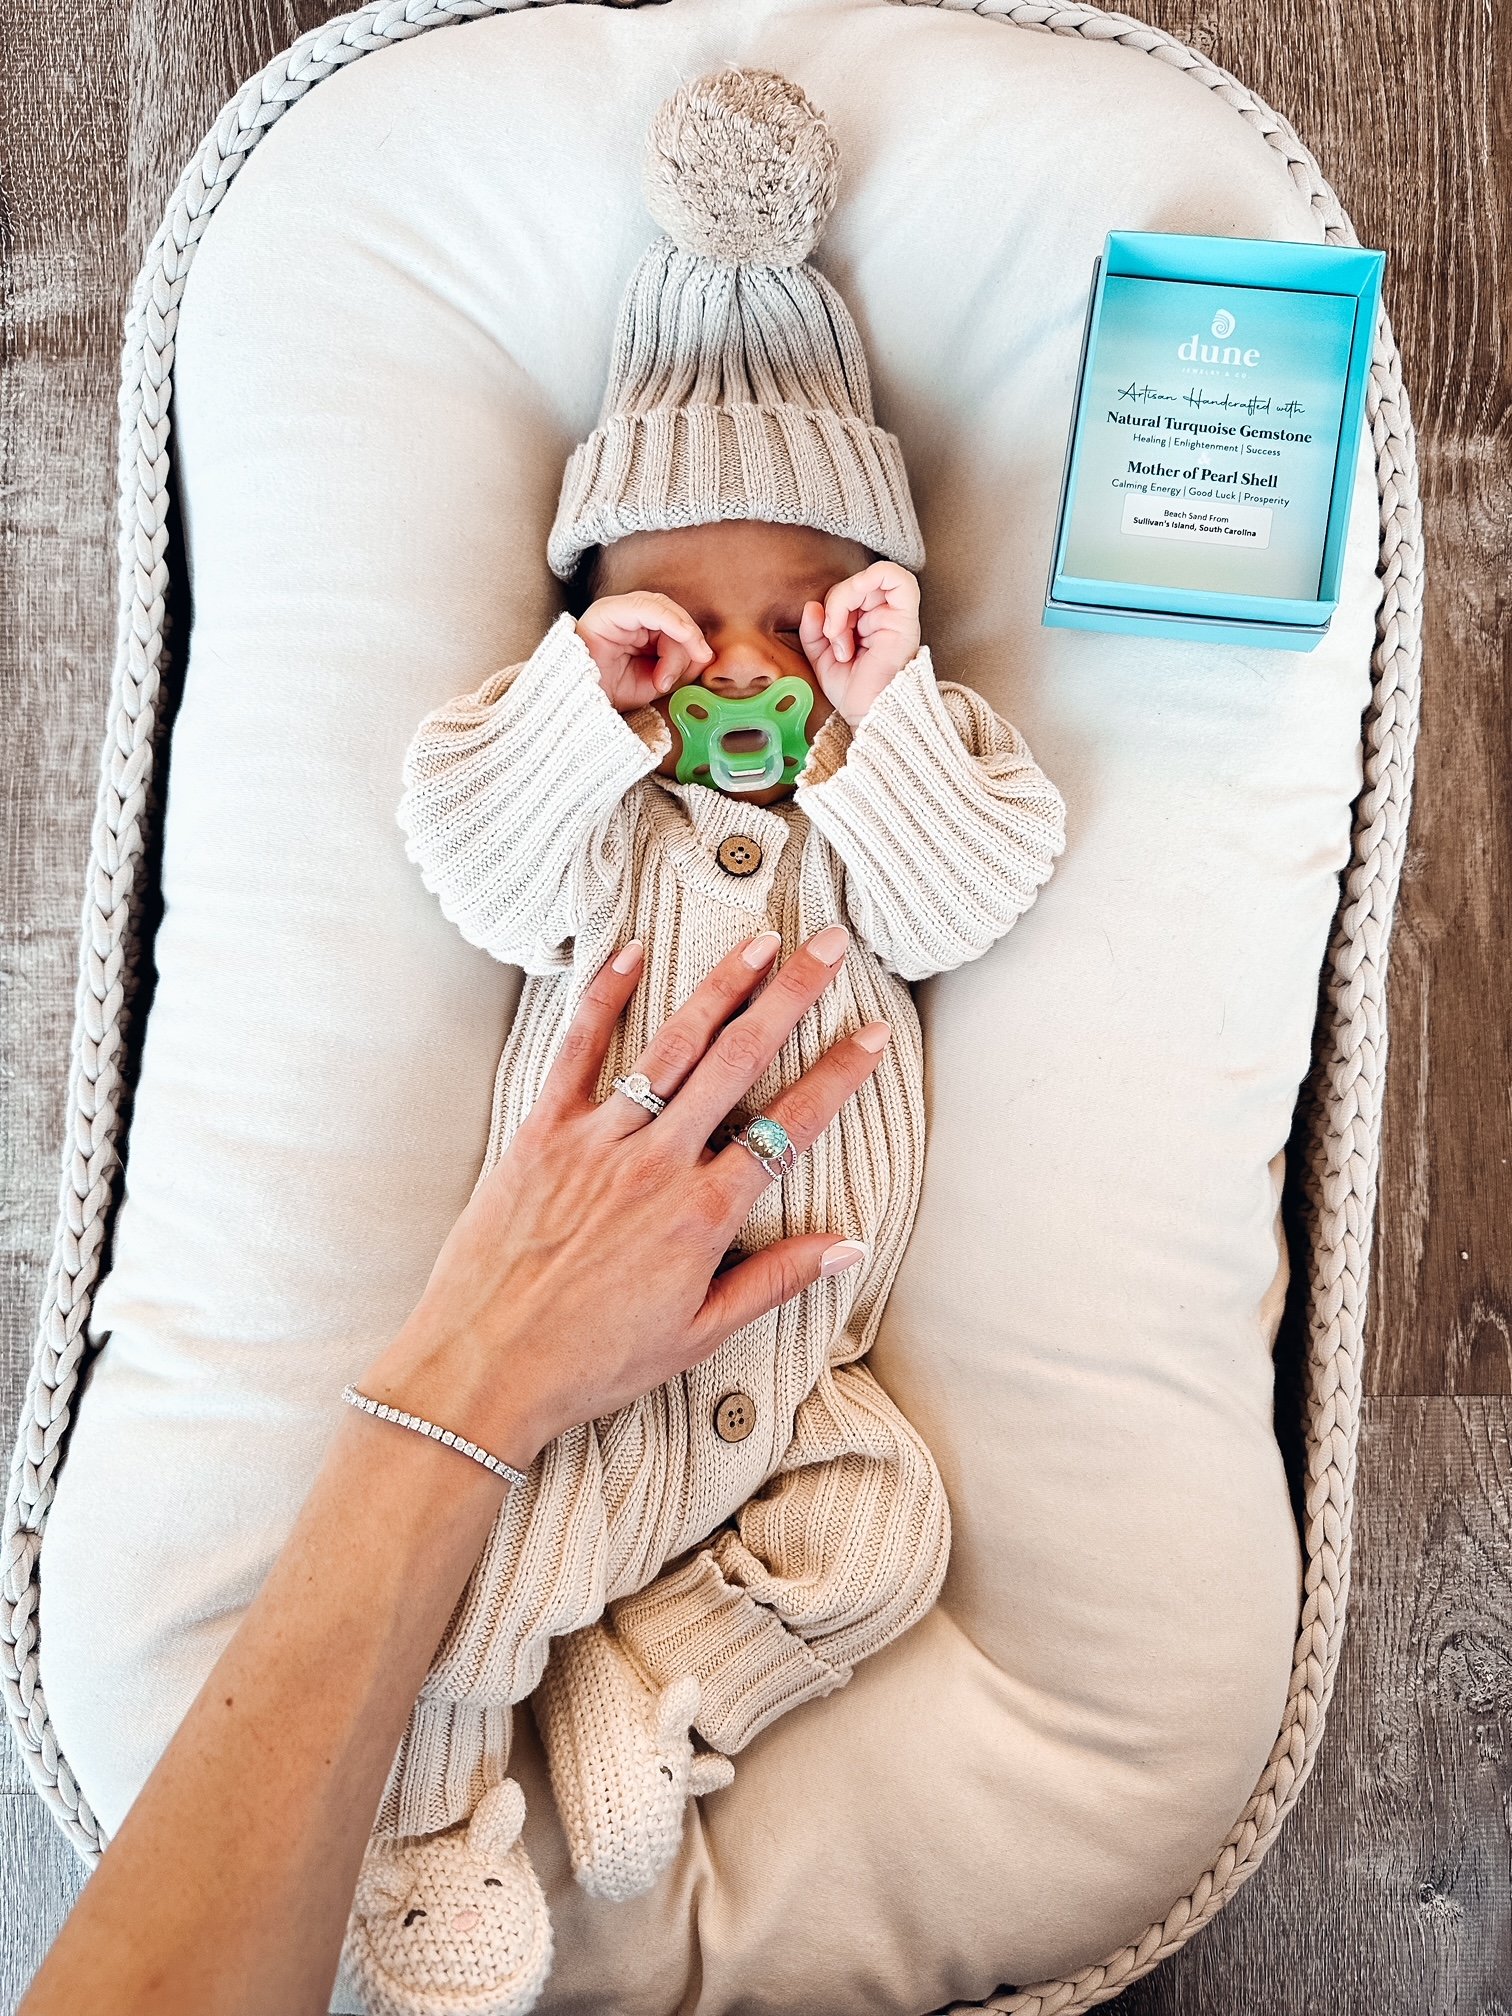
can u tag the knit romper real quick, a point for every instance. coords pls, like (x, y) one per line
(767, 1563)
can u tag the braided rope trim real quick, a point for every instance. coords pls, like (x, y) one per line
(1339, 1108)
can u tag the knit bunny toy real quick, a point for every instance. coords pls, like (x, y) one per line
(623, 1766)
(673, 1578)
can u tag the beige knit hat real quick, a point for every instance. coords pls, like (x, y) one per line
(737, 387)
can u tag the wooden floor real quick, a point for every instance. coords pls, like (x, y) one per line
(1389, 1892)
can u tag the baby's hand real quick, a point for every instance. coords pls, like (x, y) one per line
(643, 644)
(854, 661)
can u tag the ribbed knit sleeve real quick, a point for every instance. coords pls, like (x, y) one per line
(515, 802)
(945, 823)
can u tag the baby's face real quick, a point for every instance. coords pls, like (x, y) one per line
(744, 582)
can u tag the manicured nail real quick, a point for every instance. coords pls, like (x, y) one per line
(874, 1036)
(763, 950)
(829, 945)
(842, 1255)
(628, 956)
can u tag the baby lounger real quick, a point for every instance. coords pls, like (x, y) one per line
(390, 339)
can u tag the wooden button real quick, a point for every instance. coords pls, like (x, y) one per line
(738, 855)
(735, 1416)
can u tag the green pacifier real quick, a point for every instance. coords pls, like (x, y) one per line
(705, 719)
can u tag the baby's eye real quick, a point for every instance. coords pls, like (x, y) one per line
(411, 1916)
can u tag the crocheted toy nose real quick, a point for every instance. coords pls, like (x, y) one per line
(464, 1921)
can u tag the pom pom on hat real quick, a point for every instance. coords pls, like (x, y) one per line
(741, 166)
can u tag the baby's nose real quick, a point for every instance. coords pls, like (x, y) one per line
(464, 1921)
(739, 678)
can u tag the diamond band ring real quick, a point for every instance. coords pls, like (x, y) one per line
(769, 1142)
(637, 1086)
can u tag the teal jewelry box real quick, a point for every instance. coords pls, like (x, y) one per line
(1210, 461)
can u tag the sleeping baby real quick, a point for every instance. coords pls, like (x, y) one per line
(738, 744)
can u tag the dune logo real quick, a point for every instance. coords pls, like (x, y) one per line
(1195, 351)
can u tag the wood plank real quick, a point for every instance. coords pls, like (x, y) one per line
(62, 102)
(40, 1876)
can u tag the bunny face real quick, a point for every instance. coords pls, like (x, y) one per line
(664, 1771)
(459, 1918)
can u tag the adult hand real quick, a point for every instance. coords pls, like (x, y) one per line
(643, 644)
(582, 1272)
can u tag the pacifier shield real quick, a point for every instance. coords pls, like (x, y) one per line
(706, 720)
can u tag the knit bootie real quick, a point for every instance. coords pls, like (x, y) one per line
(455, 1924)
(623, 1766)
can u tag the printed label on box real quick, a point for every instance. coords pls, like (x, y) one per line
(1210, 428)
(1215, 524)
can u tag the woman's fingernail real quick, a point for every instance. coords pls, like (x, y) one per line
(761, 951)
(842, 1255)
(829, 946)
(874, 1036)
(628, 956)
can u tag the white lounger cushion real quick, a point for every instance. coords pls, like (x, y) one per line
(395, 331)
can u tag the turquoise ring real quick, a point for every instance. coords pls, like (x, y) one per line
(769, 1142)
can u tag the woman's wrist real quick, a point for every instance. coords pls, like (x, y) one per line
(427, 1375)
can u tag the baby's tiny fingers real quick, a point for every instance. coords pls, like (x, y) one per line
(812, 633)
(839, 605)
(673, 660)
(674, 624)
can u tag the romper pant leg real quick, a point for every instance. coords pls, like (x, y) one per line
(843, 1548)
(540, 1576)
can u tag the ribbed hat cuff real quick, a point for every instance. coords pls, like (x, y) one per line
(676, 465)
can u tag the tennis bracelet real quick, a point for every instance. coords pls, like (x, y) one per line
(453, 1441)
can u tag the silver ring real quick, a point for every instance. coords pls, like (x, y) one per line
(768, 1140)
(637, 1086)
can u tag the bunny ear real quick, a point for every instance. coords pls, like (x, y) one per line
(710, 1773)
(676, 1708)
(384, 1887)
(497, 1820)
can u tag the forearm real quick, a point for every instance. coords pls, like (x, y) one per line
(228, 1885)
